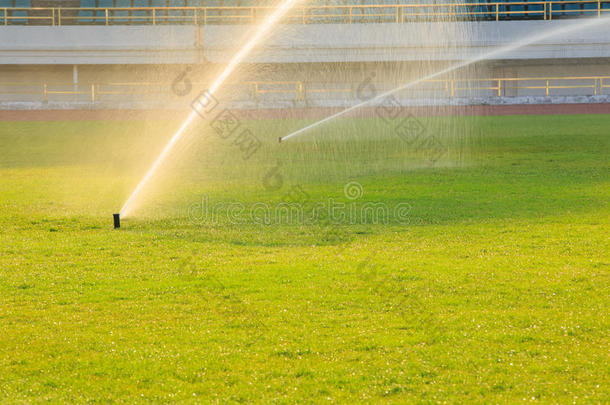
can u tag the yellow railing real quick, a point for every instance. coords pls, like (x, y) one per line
(397, 13)
(90, 91)
(299, 91)
(449, 87)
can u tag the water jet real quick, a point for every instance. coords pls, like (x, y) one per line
(500, 51)
(254, 39)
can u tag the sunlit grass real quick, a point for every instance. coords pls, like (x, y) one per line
(494, 290)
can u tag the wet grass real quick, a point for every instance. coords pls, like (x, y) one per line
(493, 287)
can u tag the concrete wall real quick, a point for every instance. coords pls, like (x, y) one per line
(330, 60)
(338, 43)
(332, 83)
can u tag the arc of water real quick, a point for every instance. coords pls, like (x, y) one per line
(257, 36)
(579, 26)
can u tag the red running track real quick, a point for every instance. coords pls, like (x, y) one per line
(306, 113)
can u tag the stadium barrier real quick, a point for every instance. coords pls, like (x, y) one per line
(296, 91)
(345, 14)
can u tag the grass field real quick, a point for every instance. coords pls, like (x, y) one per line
(493, 289)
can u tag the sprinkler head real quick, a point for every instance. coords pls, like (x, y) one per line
(279, 140)
(117, 220)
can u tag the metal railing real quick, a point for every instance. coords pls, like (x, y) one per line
(346, 14)
(449, 88)
(299, 91)
(90, 91)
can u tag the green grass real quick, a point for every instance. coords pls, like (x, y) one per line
(496, 290)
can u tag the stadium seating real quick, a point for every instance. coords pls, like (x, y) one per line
(508, 10)
(104, 4)
(572, 10)
(4, 3)
(14, 13)
(139, 16)
(320, 11)
(120, 16)
(177, 16)
(535, 11)
(86, 16)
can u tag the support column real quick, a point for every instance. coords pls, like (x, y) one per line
(75, 79)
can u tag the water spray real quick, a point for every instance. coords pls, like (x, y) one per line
(258, 35)
(508, 48)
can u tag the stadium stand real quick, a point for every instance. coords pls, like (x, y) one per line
(86, 77)
(135, 13)
(13, 16)
(315, 12)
